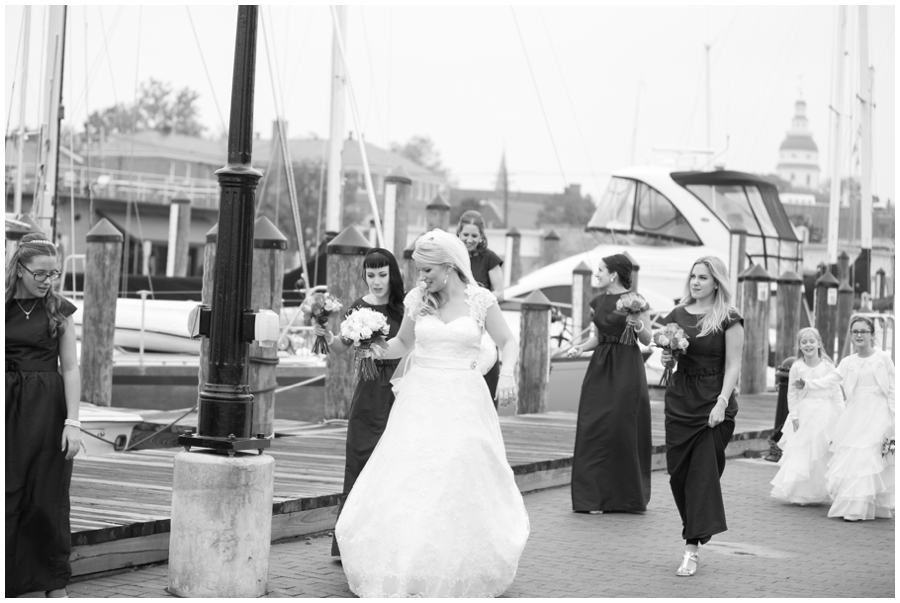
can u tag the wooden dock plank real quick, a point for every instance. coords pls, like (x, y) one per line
(128, 495)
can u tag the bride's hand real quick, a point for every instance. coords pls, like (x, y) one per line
(506, 390)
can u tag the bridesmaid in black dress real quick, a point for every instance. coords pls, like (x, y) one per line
(701, 404)
(43, 389)
(611, 464)
(488, 273)
(372, 400)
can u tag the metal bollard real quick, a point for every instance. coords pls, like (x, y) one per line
(782, 376)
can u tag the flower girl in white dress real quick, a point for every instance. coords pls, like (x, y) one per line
(860, 474)
(814, 403)
(436, 511)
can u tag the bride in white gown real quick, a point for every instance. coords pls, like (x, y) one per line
(436, 511)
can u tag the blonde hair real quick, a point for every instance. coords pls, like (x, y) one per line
(721, 309)
(812, 331)
(31, 246)
(431, 251)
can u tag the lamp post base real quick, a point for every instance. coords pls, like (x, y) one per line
(221, 525)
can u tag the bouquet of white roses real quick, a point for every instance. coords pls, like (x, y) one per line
(362, 329)
(630, 303)
(319, 307)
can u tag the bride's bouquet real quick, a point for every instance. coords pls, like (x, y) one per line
(630, 303)
(887, 447)
(672, 338)
(362, 329)
(318, 307)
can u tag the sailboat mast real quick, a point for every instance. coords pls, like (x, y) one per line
(837, 97)
(336, 132)
(865, 101)
(44, 208)
(20, 159)
(708, 101)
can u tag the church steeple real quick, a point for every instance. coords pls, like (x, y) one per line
(502, 185)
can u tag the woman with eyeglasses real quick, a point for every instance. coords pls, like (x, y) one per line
(43, 388)
(861, 472)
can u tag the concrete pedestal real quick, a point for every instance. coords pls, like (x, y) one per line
(221, 525)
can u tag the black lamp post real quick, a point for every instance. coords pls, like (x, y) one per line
(225, 401)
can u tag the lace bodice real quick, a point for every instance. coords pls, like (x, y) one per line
(460, 338)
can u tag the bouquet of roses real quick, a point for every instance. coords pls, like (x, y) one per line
(363, 328)
(319, 306)
(630, 303)
(887, 447)
(672, 338)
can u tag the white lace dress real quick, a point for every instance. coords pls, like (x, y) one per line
(860, 479)
(436, 511)
(801, 477)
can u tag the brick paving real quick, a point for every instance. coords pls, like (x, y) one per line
(770, 550)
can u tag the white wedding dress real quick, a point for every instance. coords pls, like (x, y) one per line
(436, 511)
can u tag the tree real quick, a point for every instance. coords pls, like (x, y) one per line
(567, 209)
(157, 108)
(421, 151)
(462, 207)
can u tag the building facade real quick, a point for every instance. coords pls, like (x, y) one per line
(798, 157)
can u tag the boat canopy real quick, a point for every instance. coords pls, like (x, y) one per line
(659, 207)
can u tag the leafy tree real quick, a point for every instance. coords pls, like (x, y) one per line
(159, 107)
(462, 207)
(421, 151)
(567, 209)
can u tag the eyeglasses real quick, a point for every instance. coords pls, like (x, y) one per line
(43, 276)
(860, 332)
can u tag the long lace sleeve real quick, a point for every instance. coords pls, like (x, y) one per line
(891, 385)
(830, 379)
(793, 396)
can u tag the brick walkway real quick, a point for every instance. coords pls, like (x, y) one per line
(770, 550)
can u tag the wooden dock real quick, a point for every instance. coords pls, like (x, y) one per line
(121, 502)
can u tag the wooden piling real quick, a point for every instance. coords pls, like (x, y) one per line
(397, 186)
(515, 256)
(346, 254)
(549, 248)
(179, 237)
(206, 295)
(754, 286)
(437, 214)
(880, 282)
(534, 354)
(582, 294)
(101, 290)
(268, 279)
(408, 267)
(737, 256)
(788, 307)
(826, 311)
(844, 304)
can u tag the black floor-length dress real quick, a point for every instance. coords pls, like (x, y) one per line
(695, 452)
(369, 412)
(613, 447)
(38, 536)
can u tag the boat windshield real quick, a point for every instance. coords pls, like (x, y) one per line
(742, 207)
(629, 206)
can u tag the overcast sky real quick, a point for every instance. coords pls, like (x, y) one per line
(560, 90)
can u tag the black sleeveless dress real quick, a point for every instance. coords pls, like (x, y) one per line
(613, 446)
(695, 453)
(38, 536)
(369, 412)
